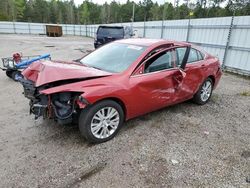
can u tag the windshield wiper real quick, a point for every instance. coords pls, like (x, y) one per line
(96, 67)
(77, 60)
(84, 64)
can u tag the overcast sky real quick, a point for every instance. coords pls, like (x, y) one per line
(78, 2)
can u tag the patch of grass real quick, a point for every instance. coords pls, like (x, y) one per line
(245, 93)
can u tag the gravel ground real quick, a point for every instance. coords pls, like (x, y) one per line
(185, 145)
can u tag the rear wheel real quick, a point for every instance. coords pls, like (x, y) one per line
(16, 75)
(102, 121)
(204, 93)
(9, 73)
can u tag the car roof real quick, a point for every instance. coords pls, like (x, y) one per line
(149, 42)
(113, 27)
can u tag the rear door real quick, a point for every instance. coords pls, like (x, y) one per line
(194, 70)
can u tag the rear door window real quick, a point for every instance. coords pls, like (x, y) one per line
(194, 55)
(200, 55)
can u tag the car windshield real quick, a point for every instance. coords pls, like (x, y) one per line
(113, 57)
(110, 31)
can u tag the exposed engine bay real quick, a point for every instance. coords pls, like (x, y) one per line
(62, 107)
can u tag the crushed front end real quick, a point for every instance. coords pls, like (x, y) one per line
(63, 107)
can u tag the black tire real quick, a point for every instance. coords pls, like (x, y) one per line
(87, 115)
(198, 96)
(15, 75)
(9, 73)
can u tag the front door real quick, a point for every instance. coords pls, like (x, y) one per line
(154, 87)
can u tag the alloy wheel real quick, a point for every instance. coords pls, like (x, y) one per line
(105, 122)
(206, 90)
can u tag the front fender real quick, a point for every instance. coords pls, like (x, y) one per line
(74, 87)
(92, 92)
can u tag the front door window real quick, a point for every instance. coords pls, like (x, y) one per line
(159, 62)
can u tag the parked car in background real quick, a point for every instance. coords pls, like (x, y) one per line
(106, 34)
(119, 81)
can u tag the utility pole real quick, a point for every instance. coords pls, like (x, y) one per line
(163, 18)
(133, 16)
(176, 3)
(190, 13)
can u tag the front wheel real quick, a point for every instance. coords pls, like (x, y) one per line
(102, 121)
(204, 93)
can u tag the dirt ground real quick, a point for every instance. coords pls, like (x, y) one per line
(185, 145)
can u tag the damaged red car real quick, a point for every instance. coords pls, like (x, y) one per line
(119, 81)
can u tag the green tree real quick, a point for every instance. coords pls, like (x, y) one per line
(70, 17)
(147, 4)
(40, 11)
(28, 12)
(84, 12)
(127, 11)
(169, 11)
(65, 11)
(7, 10)
(3, 11)
(19, 9)
(156, 12)
(199, 12)
(114, 12)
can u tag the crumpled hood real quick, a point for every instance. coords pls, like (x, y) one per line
(44, 72)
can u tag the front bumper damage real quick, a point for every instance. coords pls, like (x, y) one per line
(63, 107)
(38, 103)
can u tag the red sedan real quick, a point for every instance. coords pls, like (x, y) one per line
(120, 81)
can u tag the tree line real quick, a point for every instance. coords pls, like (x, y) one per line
(66, 12)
